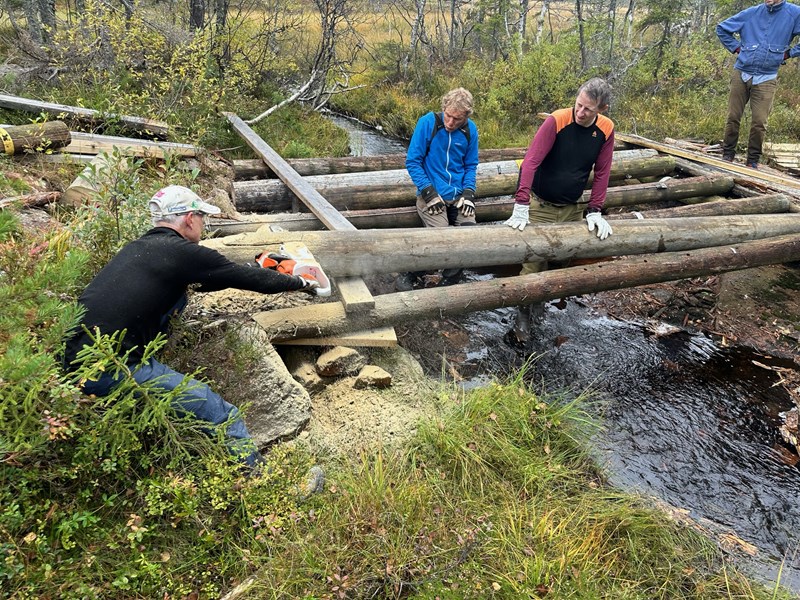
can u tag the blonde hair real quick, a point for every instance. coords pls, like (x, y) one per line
(458, 99)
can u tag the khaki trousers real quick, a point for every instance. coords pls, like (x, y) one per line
(542, 213)
(760, 98)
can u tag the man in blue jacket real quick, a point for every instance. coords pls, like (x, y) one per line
(765, 33)
(442, 161)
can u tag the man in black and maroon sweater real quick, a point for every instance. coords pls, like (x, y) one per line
(567, 146)
(145, 285)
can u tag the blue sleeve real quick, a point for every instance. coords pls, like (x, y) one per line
(471, 158)
(795, 50)
(728, 27)
(417, 148)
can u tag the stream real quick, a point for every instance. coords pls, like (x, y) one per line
(686, 421)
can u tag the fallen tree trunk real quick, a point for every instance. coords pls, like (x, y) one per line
(358, 191)
(487, 211)
(36, 137)
(256, 169)
(88, 115)
(31, 200)
(437, 303)
(360, 253)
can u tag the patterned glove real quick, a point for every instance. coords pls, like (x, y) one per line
(434, 204)
(466, 203)
(310, 285)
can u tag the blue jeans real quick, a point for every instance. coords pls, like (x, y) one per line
(199, 400)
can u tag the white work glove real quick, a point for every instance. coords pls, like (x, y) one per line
(595, 219)
(519, 218)
(310, 286)
(433, 202)
(466, 204)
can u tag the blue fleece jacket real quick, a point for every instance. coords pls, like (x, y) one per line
(764, 36)
(452, 162)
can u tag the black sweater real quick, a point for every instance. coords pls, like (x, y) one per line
(147, 278)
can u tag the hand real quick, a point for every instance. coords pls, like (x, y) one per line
(595, 219)
(466, 204)
(310, 285)
(434, 204)
(519, 218)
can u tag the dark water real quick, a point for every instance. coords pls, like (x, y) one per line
(686, 421)
(365, 141)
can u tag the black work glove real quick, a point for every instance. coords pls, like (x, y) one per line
(466, 203)
(310, 286)
(433, 202)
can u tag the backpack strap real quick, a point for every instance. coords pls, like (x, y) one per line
(439, 124)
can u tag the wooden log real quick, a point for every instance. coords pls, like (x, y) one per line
(96, 176)
(88, 143)
(36, 137)
(31, 200)
(87, 115)
(488, 210)
(353, 291)
(361, 253)
(758, 205)
(359, 191)
(256, 169)
(441, 302)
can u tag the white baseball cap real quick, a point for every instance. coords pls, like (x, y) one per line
(177, 200)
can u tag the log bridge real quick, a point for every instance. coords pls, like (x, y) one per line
(674, 217)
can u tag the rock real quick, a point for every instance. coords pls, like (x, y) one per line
(280, 406)
(220, 198)
(301, 365)
(372, 376)
(340, 361)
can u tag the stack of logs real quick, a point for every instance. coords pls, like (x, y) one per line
(697, 237)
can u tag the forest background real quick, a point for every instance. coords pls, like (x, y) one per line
(498, 497)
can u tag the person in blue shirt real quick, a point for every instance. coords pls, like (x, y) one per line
(765, 33)
(442, 161)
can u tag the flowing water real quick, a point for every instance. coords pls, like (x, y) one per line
(685, 420)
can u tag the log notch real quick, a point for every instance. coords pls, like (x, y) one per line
(441, 302)
(354, 293)
(361, 253)
(87, 115)
(487, 211)
(96, 176)
(359, 191)
(36, 137)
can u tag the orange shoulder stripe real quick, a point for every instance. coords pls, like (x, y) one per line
(605, 125)
(563, 118)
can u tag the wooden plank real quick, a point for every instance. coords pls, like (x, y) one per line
(354, 293)
(790, 182)
(88, 143)
(157, 128)
(380, 337)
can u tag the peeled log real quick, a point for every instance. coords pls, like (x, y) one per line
(487, 211)
(437, 303)
(757, 205)
(94, 178)
(390, 189)
(36, 137)
(256, 169)
(360, 253)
